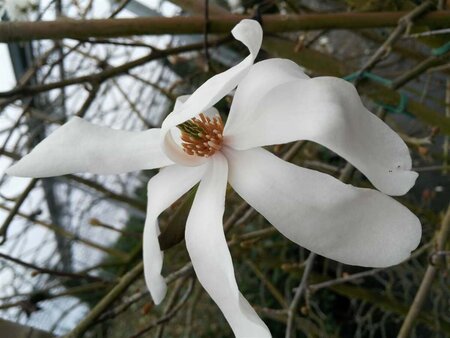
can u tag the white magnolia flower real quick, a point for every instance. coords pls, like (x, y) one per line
(17, 9)
(275, 102)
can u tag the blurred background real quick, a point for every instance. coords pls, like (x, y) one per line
(67, 241)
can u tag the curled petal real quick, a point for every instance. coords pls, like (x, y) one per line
(79, 146)
(351, 225)
(163, 190)
(207, 247)
(329, 111)
(249, 32)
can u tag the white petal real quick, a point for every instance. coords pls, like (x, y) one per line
(329, 111)
(163, 190)
(249, 32)
(262, 77)
(351, 225)
(180, 100)
(79, 146)
(207, 247)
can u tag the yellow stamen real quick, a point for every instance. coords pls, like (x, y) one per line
(202, 136)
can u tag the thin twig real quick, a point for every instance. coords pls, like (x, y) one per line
(404, 24)
(427, 281)
(119, 8)
(170, 314)
(345, 279)
(106, 301)
(15, 210)
(446, 146)
(42, 295)
(205, 35)
(107, 73)
(272, 289)
(39, 269)
(298, 294)
(89, 100)
(419, 69)
(60, 231)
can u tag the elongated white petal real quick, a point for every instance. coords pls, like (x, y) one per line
(351, 225)
(207, 247)
(79, 146)
(249, 32)
(163, 190)
(261, 79)
(329, 111)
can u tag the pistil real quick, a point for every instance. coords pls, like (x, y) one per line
(202, 136)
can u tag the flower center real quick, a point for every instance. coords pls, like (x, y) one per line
(202, 136)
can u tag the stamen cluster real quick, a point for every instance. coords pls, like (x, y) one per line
(202, 136)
